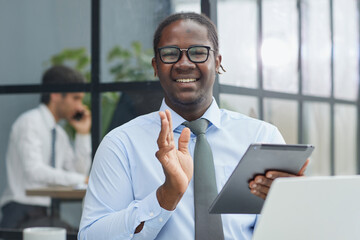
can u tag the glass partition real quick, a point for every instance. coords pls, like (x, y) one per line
(120, 107)
(126, 52)
(33, 32)
(242, 104)
(127, 29)
(279, 49)
(238, 42)
(284, 115)
(316, 49)
(13, 106)
(317, 132)
(186, 6)
(346, 49)
(345, 139)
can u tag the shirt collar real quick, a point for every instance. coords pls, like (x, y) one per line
(212, 114)
(47, 115)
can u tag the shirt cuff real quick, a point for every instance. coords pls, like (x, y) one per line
(153, 215)
(83, 137)
(74, 178)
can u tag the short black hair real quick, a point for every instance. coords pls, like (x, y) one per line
(59, 74)
(199, 18)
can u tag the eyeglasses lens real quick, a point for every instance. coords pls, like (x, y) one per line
(169, 55)
(198, 54)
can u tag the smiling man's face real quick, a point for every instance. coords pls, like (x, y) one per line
(188, 86)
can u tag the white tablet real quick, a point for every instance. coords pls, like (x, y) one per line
(235, 197)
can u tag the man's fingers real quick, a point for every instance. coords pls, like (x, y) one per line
(162, 139)
(303, 168)
(276, 174)
(262, 180)
(259, 193)
(184, 140)
(171, 134)
(161, 154)
(260, 184)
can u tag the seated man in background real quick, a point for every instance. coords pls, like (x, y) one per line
(40, 153)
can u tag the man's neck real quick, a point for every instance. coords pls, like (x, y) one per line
(189, 112)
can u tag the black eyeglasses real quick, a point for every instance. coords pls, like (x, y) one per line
(196, 54)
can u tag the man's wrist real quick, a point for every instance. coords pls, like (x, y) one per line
(167, 198)
(84, 133)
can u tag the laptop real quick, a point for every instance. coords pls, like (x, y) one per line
(311, 208)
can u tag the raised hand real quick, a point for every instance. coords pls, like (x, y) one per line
(177, 163)
(83, 125)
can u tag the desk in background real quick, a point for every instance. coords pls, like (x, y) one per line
(57, 194)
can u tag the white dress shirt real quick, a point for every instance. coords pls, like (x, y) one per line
(29, 154)
(126, 174)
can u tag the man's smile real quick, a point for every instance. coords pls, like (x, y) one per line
(186, 80)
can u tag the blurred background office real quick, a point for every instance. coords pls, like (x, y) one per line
(294, 63)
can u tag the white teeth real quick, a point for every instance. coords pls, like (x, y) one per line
(186, 80)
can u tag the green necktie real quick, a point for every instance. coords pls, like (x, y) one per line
(207, 226)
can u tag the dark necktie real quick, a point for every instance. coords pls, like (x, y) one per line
(207, 226)
(53, 140)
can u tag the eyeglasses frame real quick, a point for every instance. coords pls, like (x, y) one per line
(187, 53)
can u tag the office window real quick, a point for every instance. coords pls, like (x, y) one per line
(284, 115)
(308, 100)
(345, 139)
(346, 49)
(316, 48)
(317, 132)
(12, 107)
(313, 101)
(242, 104)
(38, 31)
(279, 47)
(186, 6)
(238, 42)
(126, 52)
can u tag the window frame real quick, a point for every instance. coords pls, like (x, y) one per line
(209, 8)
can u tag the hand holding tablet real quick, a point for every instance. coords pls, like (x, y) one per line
(260, 184)
(235, 197)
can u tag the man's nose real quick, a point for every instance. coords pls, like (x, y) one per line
(79, 106)
(184, 61)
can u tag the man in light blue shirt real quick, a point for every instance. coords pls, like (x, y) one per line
(141, 183)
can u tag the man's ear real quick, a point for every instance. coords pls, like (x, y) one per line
(218, 62)
(55, 97)
(153, 63)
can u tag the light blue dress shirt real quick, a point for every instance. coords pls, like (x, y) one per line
(126, 174)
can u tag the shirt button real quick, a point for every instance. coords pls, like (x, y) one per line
(160, 219)
(131, 235)
(151, 214)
